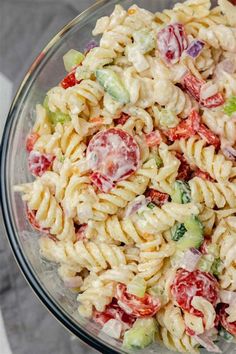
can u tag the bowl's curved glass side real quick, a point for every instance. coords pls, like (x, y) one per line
(45, 72)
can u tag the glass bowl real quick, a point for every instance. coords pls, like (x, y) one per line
(43, 74)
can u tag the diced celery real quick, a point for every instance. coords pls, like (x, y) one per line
(59, 117)
(205, 263)
(230, 106)
(217, 267)
(137, 286)
(177, 231)
(145, 40)
(113, 85)
(141, 334)
(182, 192)
(159, 161)
(168, 119)
(72, 59)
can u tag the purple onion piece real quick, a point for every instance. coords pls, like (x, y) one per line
(90, 45)
(195, 48)
(229, 152)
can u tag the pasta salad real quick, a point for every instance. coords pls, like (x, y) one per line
(134, 192)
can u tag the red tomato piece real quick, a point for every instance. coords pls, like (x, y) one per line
(70, 80)
(213, 101)
(145, 306)
(172, 41)
(113, 155)
(186, 128)
(113, 311)
(30, 141)
(123, 118)
(153, 139)
(184, 171)
(31, 215)
(80, 231)
(209, 136)
(203, 175)
(101, 182)
(229, 326)
(39, 163)
(187, 284)
(157, 197)
(193, 86)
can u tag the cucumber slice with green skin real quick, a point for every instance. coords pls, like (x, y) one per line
(193, 237)
(228, 337)
(55, 117)
(72, 59)
(113, 85)
(178, 231)
(141, 334)
(182, 192)
(145, 40)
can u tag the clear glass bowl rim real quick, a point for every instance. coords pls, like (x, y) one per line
(20, 258)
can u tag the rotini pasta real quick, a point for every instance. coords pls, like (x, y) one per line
(206, 159)
(134, 195)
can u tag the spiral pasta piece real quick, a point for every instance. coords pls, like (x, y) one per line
(42, 124)
(220, 124)
(224, 237)
(185, 12)
(172, 97)
(63, 142)
(206, 159)
(84, 254)
(49, 213)
(73, 100)
(219, 36)
(185, 344)
(207, 309)
(152, 259)
(166, 175)
(213, 194)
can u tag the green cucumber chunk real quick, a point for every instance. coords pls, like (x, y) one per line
(113, 85)
(55, 117)
(141, 334)
(230, 106)
(178, 231)
(182, 192)
(72, 59)
(145, 40)
(193, 237)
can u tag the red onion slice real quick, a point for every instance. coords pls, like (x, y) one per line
(195, 48)
(207, 343)
(135, 205)
(190, 259)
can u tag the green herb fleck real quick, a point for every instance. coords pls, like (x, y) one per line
(151, 205)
